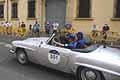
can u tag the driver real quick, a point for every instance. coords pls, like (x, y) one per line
(72, 41)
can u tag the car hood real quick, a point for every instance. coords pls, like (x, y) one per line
(30, 41)
(36, 39)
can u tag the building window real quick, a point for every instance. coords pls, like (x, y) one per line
(31, 8)
(1, 11)
(84, 9)
(14, 10)
(117, 9)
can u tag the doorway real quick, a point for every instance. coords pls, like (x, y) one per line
(56, 11)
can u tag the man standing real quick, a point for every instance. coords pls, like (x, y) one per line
(69, 29)
(1, 28)
(23, 27)
(55, 27)
(105, 31)
(94, 33)
(47, 28)
(9, 28)
(6, 27)
(36, 28)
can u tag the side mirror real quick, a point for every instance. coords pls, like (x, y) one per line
(40, 43)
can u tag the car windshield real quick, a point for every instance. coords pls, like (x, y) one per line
(51, 37)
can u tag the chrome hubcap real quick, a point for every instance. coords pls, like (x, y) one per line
(21, 58)
(90, 75)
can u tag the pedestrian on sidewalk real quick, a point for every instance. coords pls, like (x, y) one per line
(1, 28)
(36, 28)
(23, 27)
(55, 27)
(94, 33)
(50, 29)
(69, 29)
(18, 30)
(47, 28)
(105, 31)
(6, 27)
(9, 28)
(30, 28)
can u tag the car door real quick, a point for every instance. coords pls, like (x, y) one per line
(54, 57)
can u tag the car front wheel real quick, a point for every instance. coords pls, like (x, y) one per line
(89, 74)
(22, 57)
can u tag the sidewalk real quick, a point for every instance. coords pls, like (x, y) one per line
(9, 38)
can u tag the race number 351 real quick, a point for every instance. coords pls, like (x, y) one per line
(54, 57)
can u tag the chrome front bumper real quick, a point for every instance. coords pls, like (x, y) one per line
(12, 51)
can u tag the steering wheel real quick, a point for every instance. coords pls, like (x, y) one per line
(53, 42)
(56, 42)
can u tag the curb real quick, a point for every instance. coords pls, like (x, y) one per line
(5, 45)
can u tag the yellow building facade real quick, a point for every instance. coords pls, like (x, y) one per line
(101, 12)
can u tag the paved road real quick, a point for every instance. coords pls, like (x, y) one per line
(11, 70)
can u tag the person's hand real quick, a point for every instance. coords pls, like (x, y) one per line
(66, 45)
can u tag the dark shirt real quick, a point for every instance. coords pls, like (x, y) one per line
(36, 27)
(106, 28)
(72, 45)
(23, 25)
(47, 26)
(81, 43)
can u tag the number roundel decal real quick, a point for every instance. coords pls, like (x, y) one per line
(54, 57)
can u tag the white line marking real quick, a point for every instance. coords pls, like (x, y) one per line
(6, 45)
(2, 43)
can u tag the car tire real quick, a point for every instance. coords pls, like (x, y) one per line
(22, 57)
(89, 74)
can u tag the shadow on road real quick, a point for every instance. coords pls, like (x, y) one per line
(36, 71)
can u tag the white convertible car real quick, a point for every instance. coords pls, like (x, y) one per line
(92, 63)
